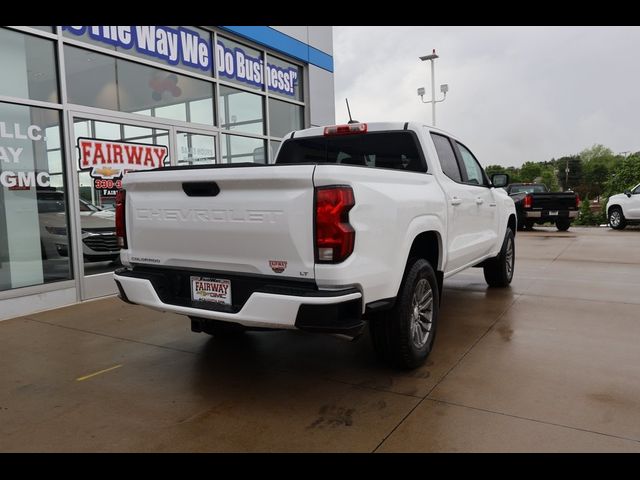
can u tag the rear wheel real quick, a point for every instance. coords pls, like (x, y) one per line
(528, 224)
(404, 335)
(563, 224)
(616, 218)
(498, 271)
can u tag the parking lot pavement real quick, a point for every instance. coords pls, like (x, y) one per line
(551, 364)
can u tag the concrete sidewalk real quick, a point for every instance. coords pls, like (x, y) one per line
(550, 365)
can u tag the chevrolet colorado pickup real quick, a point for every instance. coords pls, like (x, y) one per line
(536, 204)
(353, 224)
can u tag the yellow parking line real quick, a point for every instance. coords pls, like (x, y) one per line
(79, 379)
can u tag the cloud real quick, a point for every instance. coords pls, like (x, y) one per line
(516, 93)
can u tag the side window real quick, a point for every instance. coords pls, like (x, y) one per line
(447, 157)
(471, 166)
(636, 190)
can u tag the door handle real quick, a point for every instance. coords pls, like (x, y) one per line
(456, 201)
(201, 189)
(492, 204)
(479, 201)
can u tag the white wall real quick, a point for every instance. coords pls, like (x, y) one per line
(321, 82)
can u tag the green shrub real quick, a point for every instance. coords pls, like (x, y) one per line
(585, 216)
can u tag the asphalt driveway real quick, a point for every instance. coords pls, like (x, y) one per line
(551, 364)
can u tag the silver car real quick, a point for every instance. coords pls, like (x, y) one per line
(99, 242)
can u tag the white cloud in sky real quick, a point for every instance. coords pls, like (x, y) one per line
(516, 94)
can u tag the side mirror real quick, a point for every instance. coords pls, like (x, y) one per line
(500, 180)
(627, 193)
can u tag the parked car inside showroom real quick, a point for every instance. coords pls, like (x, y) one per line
(99, 242)
(624, 208)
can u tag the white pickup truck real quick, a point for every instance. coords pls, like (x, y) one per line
(624, 208)
(353, 224)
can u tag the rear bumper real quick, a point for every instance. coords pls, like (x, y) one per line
(304, 308)
(543, 215)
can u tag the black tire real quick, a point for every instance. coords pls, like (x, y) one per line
(528, 224)
(397, 335)
(563, 224)
(217, 329)
(616, 218)
(498, 271)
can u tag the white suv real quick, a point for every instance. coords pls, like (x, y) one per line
(624, 208)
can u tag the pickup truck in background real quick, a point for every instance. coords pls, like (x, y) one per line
(353, 224)
(535, 204)
(624, 208)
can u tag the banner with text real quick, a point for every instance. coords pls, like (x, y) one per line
(14, 138)
(239, 65)
(182, 46)
(108, 161)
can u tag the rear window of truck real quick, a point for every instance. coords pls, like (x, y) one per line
(528, 189)
(396, 150)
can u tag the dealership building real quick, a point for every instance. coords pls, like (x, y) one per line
(82, 105)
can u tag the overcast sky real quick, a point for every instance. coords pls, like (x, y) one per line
(516, 94)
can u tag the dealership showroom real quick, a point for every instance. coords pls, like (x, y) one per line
(168, 87)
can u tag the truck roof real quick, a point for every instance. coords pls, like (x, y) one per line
(371, 127)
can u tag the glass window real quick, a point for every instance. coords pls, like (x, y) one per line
(122, 148)
(187, 47)
(447, 158)
(239, 64)
(195, 149)
(237, 149)
(28, 67)
(636, 191)
(98, 80)
(241, 111)
(284, 117)
(34, 243)
(474, 172)
(284, 78)
(528, 189)
(397, 150)
(53, 137)
(91, 78)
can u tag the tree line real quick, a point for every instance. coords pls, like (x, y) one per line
(594, 173)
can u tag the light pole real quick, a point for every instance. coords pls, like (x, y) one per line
(444, 88)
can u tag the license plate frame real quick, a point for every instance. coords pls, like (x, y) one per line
(553, 213)
(210, 290)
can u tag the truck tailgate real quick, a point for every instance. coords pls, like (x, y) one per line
(259, 222)
(554, 200)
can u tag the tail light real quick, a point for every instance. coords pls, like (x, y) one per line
(577, 201)
(121, 226)
(528, 201)
(334, 236)
(349, 129)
